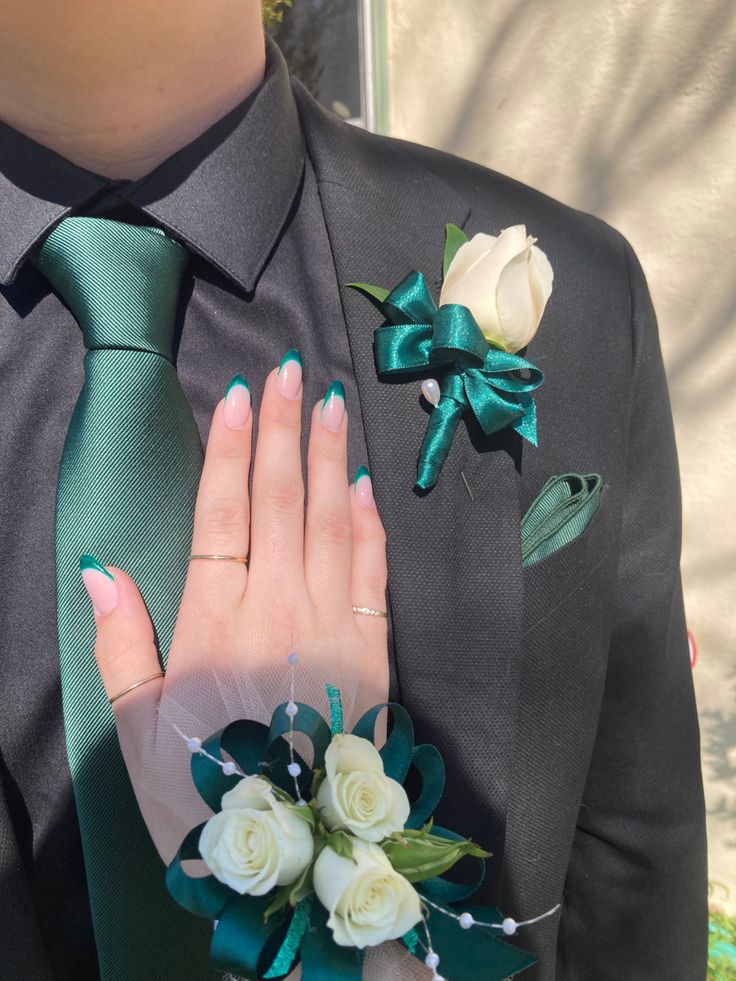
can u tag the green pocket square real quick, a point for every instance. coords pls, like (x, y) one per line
(560, 512)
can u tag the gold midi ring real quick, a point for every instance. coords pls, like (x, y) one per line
(367, 611)
(222, 558)
(144, 681)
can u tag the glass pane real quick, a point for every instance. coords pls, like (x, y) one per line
(320, 40)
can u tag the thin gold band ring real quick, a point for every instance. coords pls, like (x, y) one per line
(222, 558)
(143, 681)
(368, 611)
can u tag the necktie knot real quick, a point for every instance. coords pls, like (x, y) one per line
(120, 281)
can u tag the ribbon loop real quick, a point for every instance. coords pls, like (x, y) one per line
(476, 377)
(410, 300)
(457, 337)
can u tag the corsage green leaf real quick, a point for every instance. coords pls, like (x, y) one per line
(303, 886)
(341, 843)
(419, 855)
(279, 901)
(454, 238)
(305, 813)
(291, 894)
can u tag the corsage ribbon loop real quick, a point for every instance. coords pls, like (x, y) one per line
(475, 376)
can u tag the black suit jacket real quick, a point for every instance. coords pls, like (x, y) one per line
(560, 695)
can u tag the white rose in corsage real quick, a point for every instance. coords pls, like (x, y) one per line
(367, 900)
(356, 795)
(505, 281)
(256, 841)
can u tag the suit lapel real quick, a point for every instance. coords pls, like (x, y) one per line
(454, 555)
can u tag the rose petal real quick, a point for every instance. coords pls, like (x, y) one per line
(348, 754)
(515, 304)
(540, 278)
(409, 911)
(249, 792)
(477, 289)
(331, 876)
(466, 256)
(401, 806)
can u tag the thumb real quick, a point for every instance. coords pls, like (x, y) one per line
(125, 648)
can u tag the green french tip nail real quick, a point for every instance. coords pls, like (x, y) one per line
(238, 380)
(89, 562)
(291, 355)
(361, 472)
(336, 388)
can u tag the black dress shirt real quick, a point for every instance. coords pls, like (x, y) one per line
(244, 199)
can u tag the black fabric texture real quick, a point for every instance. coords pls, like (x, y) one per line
(560, 695)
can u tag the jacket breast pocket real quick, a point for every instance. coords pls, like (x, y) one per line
(581, 564)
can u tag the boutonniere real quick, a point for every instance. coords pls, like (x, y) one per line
(493, 295)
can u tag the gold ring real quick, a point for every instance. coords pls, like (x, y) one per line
(144, 681)
(367, 611)
(222, 558)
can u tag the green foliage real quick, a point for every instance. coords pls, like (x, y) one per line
(305, 813)
(341, 843)
(292, 894)
(419, 855)
(721, 947)
(376, 294)
(454, 238)
(273, 11)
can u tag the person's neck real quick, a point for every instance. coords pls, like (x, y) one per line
(118, 90)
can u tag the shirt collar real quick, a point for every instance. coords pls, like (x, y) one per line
(227, 194)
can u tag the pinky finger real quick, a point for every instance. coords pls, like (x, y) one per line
(369, 573)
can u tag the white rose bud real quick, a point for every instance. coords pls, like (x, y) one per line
(505, 281)
(367, 899)
(356, 795)
(255, 842)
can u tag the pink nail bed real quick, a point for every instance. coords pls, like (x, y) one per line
(364, 488)
(237, 403)
(333, 407)
(289, 377)
(100, 585)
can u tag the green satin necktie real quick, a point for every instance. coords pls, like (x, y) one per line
(127, 484)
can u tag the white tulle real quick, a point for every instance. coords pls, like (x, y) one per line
(387, 962)
(202, 701)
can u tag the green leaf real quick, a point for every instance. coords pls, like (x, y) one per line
(376, 294)
(419, 856)
(279, 901)
(341, 843)
(454, 238)
(279, 794)
(318, 776)
(272, 13)
(377, 291)
(305, 813)
(303, 886)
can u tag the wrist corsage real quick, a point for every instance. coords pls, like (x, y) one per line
(312, 864)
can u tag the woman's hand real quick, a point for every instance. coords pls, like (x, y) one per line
(237, 624)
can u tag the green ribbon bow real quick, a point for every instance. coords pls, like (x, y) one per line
(475, 377)
(256, 937)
